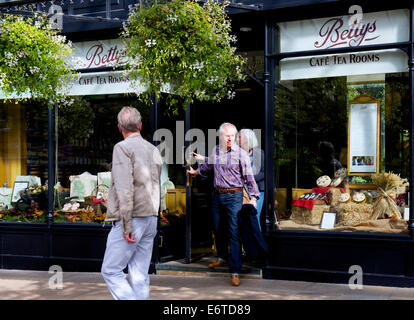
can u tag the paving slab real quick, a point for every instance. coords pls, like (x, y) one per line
(34, 285)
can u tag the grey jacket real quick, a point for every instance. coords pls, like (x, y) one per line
(135, 186)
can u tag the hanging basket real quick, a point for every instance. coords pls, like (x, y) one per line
(33, 59)
(182, 48)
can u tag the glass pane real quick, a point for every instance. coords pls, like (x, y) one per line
(87, 133)
(170, 137)
(312, 134)
(23, 162)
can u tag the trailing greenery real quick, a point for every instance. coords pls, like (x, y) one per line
(33, 59)
(182, 48)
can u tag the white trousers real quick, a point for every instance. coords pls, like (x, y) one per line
(137, 256)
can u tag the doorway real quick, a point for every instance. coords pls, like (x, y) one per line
(246, 110)
(185, 230)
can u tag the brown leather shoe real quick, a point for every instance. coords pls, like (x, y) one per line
(235, 280)
(217, 263)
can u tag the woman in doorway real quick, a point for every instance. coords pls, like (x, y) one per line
(248, 141)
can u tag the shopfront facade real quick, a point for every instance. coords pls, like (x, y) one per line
(324, 93)
(325, 74)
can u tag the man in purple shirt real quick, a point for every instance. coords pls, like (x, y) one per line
(232, 169)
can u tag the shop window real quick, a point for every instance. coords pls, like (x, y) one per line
(23, 161)
(87, 133)
(85, 136)
(334, 136)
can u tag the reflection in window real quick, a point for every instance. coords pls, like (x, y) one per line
(311, 141)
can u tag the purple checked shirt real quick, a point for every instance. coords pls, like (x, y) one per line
(232, 169)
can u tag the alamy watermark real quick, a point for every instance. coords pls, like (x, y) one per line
(56, 280)
(356, 280)
(356, 18)
(194, 140)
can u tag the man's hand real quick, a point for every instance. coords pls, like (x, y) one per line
(129, 237)
(192, 171)
(199, 157)
(253, 201)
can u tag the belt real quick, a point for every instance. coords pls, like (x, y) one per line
(228, 190)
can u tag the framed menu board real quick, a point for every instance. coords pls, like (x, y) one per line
(364, 135)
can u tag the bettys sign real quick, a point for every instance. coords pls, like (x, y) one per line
(98, 54)
(335, 32)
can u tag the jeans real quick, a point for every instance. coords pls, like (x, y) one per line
(259, 207)
(226, 207)
(137, 256)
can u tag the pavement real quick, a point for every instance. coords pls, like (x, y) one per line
(42, 285)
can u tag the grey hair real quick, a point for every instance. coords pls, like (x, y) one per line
(224, 125)
(251, 139)
(129, 119)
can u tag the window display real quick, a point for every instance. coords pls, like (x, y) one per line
(87, 132)
(324, 149)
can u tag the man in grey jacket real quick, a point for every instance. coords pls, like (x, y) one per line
(133, 203)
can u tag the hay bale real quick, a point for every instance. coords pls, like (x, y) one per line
(349, 214)
(302, 215)
(334, 195)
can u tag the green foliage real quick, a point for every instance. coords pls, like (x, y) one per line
(33, 59)
(76, 119)
(182, 48)
(306, 113)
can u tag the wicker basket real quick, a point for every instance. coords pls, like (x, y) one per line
(100, 207)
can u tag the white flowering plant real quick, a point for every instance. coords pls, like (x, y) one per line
(33, 59)
(183, 48)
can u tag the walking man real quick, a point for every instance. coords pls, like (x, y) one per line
(133, 203)
(232, 169)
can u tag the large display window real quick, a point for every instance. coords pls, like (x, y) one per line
(85, 134)
(314, 135)
(341, 125)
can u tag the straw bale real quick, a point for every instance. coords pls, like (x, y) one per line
(334, 195)
(349, 214)
(305, 216)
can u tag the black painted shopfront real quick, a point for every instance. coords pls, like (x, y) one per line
(285, 97)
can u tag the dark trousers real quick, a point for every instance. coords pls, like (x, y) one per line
(226, 207)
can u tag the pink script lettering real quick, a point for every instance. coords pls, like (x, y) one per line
(333, 34)
(97, 58)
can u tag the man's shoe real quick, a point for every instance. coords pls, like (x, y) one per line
(235, 280)
(217, 263)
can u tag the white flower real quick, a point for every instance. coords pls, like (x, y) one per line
(34, 69)
(233, 38)
(2, 79)
(231, 94)
(211, 80)
(150, 43)
(197, 66)
(172, 18)
(11, 59)
(200, 94)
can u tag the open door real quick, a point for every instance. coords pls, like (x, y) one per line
(199, 240)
